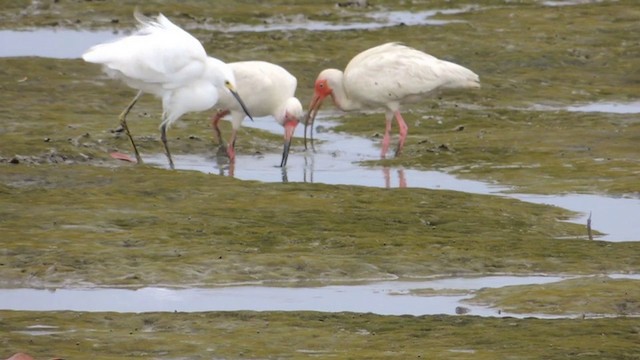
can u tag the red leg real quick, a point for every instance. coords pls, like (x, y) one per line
(402, 179)
(214, 122)
(231, 151)
(387, 177)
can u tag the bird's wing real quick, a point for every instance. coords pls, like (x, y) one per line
(389, 72)
(261, 85)
(159, 53)
(395, 73)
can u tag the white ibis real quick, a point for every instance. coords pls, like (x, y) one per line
(268, 90)
(387, 76)
(168, 62)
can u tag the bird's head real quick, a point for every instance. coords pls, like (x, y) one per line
(223, 77)
(293, 110)
(292, 114)
(322, 88)
(325, 81)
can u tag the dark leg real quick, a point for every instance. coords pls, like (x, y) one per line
(163, 129)
(123, 123)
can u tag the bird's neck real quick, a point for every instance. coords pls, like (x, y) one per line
(340, 96)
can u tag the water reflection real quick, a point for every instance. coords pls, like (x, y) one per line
(337, 162)
(402, 180)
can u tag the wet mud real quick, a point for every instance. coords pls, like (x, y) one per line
(555, 117)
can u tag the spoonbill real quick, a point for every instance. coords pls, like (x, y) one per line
(164, 60)
(269, 90)
(387, 76)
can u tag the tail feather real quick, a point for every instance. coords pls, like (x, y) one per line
(459, 76)
(148, 24)
(97, 54)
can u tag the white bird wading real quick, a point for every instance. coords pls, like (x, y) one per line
(168, 62)
(387, 76)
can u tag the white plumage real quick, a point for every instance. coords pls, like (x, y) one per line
(385, 77)
(164, 60)
(268, 90)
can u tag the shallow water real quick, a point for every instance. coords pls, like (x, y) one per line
(385, 298)
(52, 43)
(608, 107)
(568, 2)
(380, 19)
(71, 43)
(336, 162)
(601, 107)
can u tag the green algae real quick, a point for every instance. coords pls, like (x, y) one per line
(303, 335)
(137, 226)
(585, 296)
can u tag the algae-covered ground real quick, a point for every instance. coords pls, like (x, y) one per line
(304, 335)
(72, 216)
(573, 295)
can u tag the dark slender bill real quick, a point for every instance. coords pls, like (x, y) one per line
(244, 107)
(285, 153)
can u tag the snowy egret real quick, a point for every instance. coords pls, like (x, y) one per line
(164, 60)
(387, 76)
(268, 90)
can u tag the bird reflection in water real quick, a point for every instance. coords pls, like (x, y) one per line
(307, 171)
(402, 180)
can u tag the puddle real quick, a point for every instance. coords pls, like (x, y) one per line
(71, 43)
(336, 162)
(379, 19)
(569, 2)
(602, 107)
(616, 217)
(384, 298)
(48, 43)
(608, 107)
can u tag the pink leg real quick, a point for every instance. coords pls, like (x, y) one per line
(403, 131)
(387, 177)
(232, 169)
(402, 179)
(214, 122)
(387, 130)
(231, 151)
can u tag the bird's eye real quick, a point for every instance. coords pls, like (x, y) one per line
(321, 85)
(226, 82)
